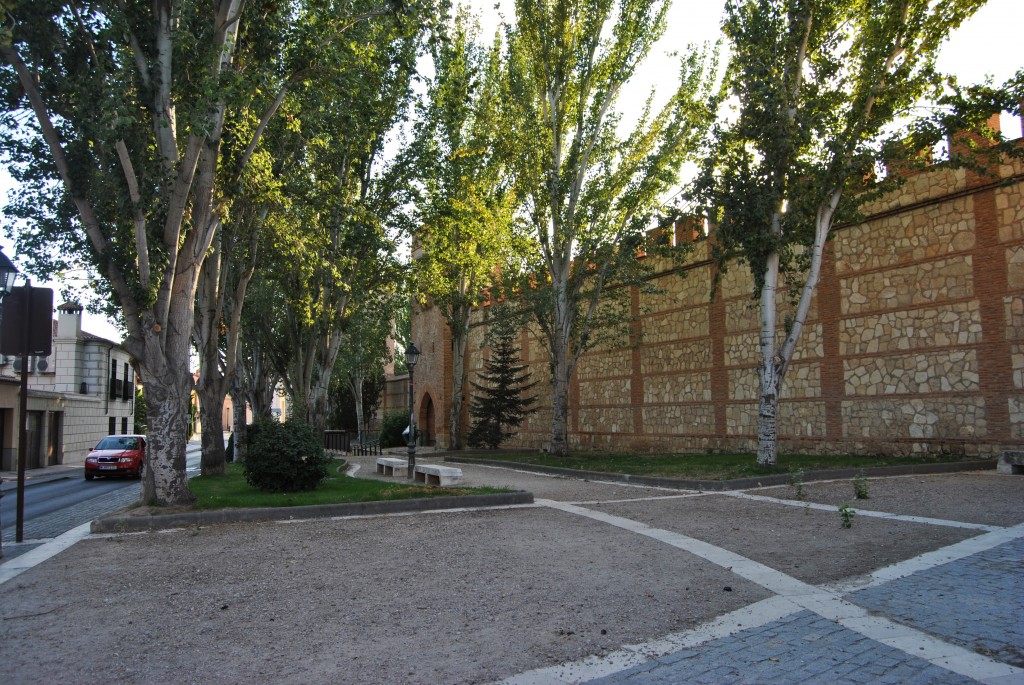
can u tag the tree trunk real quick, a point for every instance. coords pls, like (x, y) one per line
(768, 413)
(770, 368)
(211, 415)
(164, 482)
(458, 389)
(356, 386)
(238, 404)
(560, 401)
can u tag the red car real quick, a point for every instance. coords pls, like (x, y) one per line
(117, 455)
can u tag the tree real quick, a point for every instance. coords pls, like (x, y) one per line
(115, 120)
(115, 132)
(586, 193)
(499, 406)
(360, 363)
(818, 84)
(464, 232)
(343, 211)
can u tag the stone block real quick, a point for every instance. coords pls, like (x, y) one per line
(437, 475)
(391, 467)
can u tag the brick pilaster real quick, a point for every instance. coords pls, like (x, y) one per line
(636, 381)
(833, 382)
(990, 287)
(719, 375)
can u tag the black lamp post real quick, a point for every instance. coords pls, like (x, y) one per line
(7, 274)
(412, 355)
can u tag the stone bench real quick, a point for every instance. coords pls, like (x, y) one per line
(1012, 461)
(437, 475)
(392, 467)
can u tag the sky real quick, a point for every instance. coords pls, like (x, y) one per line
(987, 45)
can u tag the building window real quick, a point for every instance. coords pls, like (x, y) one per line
(112, 427)
(129, 387)
(124, 425)
(115, 385)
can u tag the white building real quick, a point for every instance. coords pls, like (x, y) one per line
(84, 390)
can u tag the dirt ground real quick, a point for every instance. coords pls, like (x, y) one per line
(452, 597)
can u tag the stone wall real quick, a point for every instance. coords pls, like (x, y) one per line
(915, 341)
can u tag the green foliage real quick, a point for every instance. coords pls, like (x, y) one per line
(860, 487)
(141, 417)
(232, 491)
(498, 406)
(343, 404)
(391, 427)
(587, 195)
(284, 457)
(846, 514)
(338, 252)
(797, 479)
(818, 88)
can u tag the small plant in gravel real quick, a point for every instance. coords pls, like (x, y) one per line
(797, 479)
(807, 509)
(860, 486)
(846, 514)
(284, 457)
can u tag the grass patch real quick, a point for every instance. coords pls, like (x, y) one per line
(703, 466)
(232, 491)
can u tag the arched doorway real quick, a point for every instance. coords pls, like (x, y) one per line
(425, 421)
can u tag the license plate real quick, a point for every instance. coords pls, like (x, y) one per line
(111, 467)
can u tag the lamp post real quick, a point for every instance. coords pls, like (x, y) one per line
(412, 355)
(7, 274)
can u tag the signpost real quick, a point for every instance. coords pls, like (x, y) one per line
(27, 330)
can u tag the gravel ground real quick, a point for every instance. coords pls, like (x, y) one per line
(440, 598)
(452, 597)
(984, 497)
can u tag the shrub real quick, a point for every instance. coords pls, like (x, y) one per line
(229, 451)
(391, 427)
(284, 457)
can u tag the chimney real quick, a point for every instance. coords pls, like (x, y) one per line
(69, 321)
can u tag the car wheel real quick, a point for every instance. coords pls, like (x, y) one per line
(88, 476)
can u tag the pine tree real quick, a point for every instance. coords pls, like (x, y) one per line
(499, 407)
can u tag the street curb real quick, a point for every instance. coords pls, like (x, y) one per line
(131, 524)
(739, 483)
(12, 485)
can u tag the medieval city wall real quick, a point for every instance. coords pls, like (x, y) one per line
(915, 341)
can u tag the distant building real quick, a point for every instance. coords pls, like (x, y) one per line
(80, 393)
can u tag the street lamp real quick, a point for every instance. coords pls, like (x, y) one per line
(7, 274)
(412, 355)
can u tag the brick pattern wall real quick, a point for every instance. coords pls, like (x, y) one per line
(915, 341)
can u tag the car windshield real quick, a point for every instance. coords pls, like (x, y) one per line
(118, 443)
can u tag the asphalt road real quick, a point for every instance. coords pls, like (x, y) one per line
(53, 507)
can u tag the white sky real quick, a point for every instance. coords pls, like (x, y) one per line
(987, 45)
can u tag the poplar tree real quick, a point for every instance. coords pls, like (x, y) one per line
(464, 232)
(586, 192)
(819, 85)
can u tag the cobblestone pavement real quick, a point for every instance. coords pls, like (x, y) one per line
(975, 602)
(954, 615)
(802, 648)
